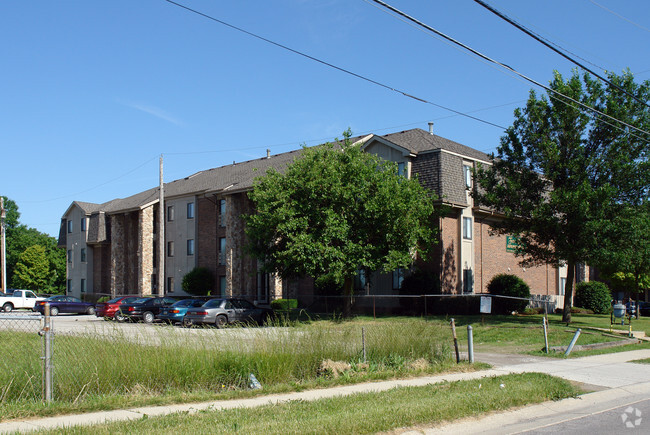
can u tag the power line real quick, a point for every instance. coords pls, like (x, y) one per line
(509, 68)
(359, 76)
(551, 46)
(620, 16)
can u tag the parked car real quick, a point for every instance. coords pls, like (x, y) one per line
(176, 312)
(65, 304)
(644, 308)
(18, 299)
(144, 309)
(220, 312)
(109, 308)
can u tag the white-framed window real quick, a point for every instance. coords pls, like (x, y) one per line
(83, 224)
(190, 210)
(467, 173)
(83, 255)
(170, 213)
(69, 225)
(467, 228)
(190, 247)
(222, 250)
(170, 249)
(222, 213)
(562, 286)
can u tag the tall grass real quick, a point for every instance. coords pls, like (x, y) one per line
(154, 361)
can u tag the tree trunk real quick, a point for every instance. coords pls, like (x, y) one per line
(568, 291)
(348, 285)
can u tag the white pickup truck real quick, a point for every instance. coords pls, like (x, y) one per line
(19, 299)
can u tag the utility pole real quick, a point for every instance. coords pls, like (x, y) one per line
(161, 233)
(3, 256)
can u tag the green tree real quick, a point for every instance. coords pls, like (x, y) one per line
(560, 171)
(199, 281)
(624, 256)
(32, 269)
(337, 210)
(19, 237)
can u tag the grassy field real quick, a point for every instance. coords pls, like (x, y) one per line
(360, 413)
(179, 365)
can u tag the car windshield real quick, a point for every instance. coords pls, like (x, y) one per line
(213, 303)
(139, 301)
(131, 300)
(112, 301)
(185, 303)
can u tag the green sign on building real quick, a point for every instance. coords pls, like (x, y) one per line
(512, 243)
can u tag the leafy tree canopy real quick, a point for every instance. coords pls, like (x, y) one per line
(31, 271)
(336, 210)
(561, 171)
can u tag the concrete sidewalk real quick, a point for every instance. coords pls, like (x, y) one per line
(601, 371)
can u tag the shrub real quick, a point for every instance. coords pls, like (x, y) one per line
(284, 304)
(198, 282)
(508, 285)
(594, 296)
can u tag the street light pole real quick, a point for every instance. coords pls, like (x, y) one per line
(3, 256)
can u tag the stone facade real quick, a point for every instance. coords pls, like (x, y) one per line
(145, 255)
(241, 269)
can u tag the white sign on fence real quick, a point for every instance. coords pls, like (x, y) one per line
(486, 304)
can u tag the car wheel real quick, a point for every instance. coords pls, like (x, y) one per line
(187, 323)
(120, 318)
(221, 321)
(54, 311)
(7, 307)
(90, 311)
(147, 317)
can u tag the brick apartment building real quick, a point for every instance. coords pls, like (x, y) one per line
(112, 247)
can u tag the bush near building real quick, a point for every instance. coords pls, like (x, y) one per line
(594, 296)
(508, 285)
(198, 282)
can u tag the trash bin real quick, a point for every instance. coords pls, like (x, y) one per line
(619, 313)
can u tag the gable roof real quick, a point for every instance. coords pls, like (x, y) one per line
(419, 141)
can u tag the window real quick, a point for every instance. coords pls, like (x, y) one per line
(401, 169)
(82, 226)
(83, 285)
(190, 210)
(222, 213)
(190, 247)
(222, 250)
(360, 280)
(562, 286)
(170, 283)
(468, 281)
(69, 226)
(69, 255)
(467, 172)
(170, 249)
(263, 287)
(170, 213)
(83, 255)
(68, 286)
(222, 286)
(467, 228)
(398, 278)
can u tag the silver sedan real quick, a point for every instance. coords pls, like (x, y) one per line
(220, 312)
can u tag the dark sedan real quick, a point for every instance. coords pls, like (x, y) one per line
(644, 308)
(65, 304)
(144, 309)
(220, 312)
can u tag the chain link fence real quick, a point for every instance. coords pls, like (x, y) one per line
(21, 364)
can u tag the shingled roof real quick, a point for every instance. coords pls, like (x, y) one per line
(419, 141)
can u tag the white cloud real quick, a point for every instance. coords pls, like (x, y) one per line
(153, 110)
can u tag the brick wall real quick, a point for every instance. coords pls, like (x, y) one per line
(449, 251)
(145, 266)
(206, 238)
(241, 278)
(491, 258)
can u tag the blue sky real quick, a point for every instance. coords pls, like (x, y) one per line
(94, 91)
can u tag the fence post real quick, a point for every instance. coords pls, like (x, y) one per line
(470, 344)
(47, 354)
(453, 332)
(363, 342)
(573, 342)
(545, 325)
